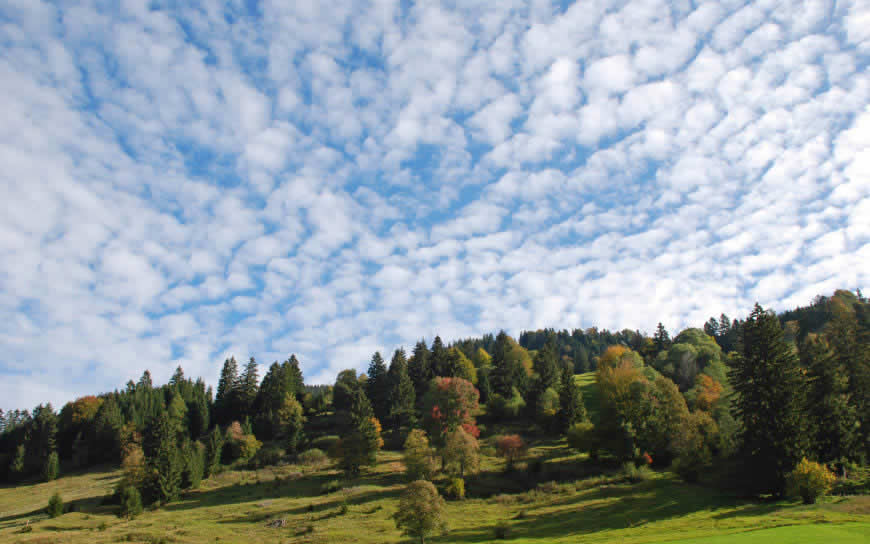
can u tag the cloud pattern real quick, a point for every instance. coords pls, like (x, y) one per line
(185, 181)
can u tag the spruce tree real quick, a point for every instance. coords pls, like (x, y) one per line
(439, 358)
(177, 378)
(378, 387)
(145, 381)
(770, 403)
(420, 370)
(293, 377)
(249, 384)
(226, 391)
(163, 459)
(833, 420)
(361, 445)
(401, 396)
(571, 407)
(661, 339)
(213, 447)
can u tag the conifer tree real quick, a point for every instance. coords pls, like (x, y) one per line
(177, 377)
(439, 358)
(771, 392)
(293, 377)
(401, 396)
(163, 459)
(249, 384)
(832, 418)
(571, 407)
(661, 339)
(361, 445)
(226, 391)
(145, 381)
(378, 387)
(508, 371)
(420, 369)
(213, 448)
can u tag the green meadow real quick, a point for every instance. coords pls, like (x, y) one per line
(288, 503)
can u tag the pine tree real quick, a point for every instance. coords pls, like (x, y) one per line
(378, 387)
(163, 459)
(361, 445)
(771, 391)
(439, 358)
(547, 368)
(711, 327)
(401, 396)
(420, 369)
(507, 370)
(249, 385)
(832, 418)
(177, 378)
(226, 391)
(2, 421)
(213, 448)
(661, 339)
(294, 378)
(571, 407)
(145, 381)
(51, 467)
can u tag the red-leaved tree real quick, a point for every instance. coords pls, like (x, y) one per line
(450, 403)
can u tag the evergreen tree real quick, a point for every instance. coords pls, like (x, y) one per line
(378, 387)
(198, 411)
(51, 468)
(849, 338)
(401, 395)
(832, 418)
(439, 358)
(661, 339)
(106, 436)
(145, 381)
(293, 377)
(249, 384)
(508, 371)
(2, 421)
(163, 459)
(346, 387)
(226, 391)
(711, 327)
(177, 378)
(420, 369)
(547, 368)
(571, 407)
(770, 390)
(43, 437)
(361, 445)
(213, 448)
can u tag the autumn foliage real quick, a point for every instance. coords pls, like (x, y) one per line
(451, 403)
(512, 447)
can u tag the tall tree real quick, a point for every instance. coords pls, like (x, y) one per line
(361, 445)
(163, 459)
(401, 396)
(571, 407)
(439, 358)
(249, 384)
(508, 366)
(661, 339)
(378, 387)
(293, 378)
(226, 391)
(420, 369)
(771, 391)
(345, 389)
(145, 381)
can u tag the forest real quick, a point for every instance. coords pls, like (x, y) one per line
(764, 407)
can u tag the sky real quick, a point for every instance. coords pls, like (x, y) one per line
(185, 181)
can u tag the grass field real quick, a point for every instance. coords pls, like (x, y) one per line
(236, 506)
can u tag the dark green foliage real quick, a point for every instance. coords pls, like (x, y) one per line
(106, 442)
(51, 467)
(43, 438)
(361, 445)
(213, 447)
(249, 383)
(378, 387)
(131, 502)
(193, 465)
(162, 459)
(438, 358)
(571, 407)
(225, 399)
(401, 394)
(507, 373)
(420, 370)
(55, 506)
(346, 387)
(661, 339)
(770, 400)
(16, 466)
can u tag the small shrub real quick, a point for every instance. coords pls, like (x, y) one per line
(809, 481)
(324, 443)
(502, 530)
(635, 474)
(55, 506)
(512, 447)
(131, 502)
(266, 457)
(342, 510)
(331, 487)
(313, 457)
(455, 488)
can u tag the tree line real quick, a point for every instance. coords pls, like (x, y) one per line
(737, 402)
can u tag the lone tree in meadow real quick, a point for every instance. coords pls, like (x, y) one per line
(421, 511)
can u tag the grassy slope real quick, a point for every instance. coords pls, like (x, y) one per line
(235, 507)
(589, 388)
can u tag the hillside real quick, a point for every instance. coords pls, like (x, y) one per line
(237, 505)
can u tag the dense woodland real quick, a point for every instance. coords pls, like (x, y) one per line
(738, 404)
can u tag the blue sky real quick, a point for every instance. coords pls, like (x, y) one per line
(182, 182)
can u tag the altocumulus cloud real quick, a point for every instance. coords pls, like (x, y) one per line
(183, 181)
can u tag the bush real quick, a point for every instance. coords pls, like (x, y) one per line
(504, 408)
(512, 447)
(313, 457)
(583, 437)
(266, 457)
(51, 468)
(635, 474)
(502, 530)
(325, 443)
(331, 487)
(455, 488)
(131, 502)
(55, 506)
(809, 481)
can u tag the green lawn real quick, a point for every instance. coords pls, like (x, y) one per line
(236, 506)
